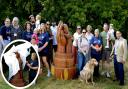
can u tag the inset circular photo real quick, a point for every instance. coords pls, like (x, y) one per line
(20, 64)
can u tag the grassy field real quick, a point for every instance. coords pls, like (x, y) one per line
(51, 83)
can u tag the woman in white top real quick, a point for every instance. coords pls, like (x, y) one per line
(38, 19)
(83, 49)
(76, 35)
(89, 36)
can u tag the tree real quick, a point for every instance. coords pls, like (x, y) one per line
(72, 12)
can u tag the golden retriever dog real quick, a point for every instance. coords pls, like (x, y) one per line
(87, 72)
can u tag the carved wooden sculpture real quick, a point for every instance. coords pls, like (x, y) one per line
(64, 65)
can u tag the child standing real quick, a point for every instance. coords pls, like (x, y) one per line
(33, 67)
(34, 43)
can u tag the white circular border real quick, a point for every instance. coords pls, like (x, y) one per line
(2, 68)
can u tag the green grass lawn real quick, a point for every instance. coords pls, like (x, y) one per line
(51, 83)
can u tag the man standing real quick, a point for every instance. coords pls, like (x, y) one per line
(107, 47)
(120, 56)
(5, 34)
(54, 33)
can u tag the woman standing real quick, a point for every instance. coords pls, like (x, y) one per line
(37, 23)
(43, 47)
(16, 30)
(89, 36)
(96, 47)
(32, 21)
(83, 48)
(76, 35)
(27, 34)
(50, 57)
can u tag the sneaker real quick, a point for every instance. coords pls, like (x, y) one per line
(108, 75)
(49, 74)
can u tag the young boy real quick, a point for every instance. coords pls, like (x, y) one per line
(33, 42)
(33, 67)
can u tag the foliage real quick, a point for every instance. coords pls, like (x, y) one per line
(72, 12)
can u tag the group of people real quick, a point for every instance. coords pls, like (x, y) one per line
(101, 46)
(41, 35)
(85, 44)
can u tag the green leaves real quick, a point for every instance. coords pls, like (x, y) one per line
(72, 12)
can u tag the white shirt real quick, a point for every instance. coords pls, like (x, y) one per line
(35, 47)
(76, 36)
(111, 34)
(89, 36)
(38, 24)
(83, 44)
(13, 64)
(54, 33)
(116, 45)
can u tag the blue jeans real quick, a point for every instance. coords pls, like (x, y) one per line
(3, 44)
(119, 70)
(81, 59)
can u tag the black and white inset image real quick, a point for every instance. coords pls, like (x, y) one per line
(20, 64)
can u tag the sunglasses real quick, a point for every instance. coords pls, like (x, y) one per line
(48, 24)
(83, 32)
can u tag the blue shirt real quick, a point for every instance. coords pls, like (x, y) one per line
(43, 38)
(33, 63)
(96, 41)
(27, 36)
(5, 32)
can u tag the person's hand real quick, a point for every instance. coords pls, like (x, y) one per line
(100, 49)
(28, 65)
(26, 62)
(84, 53)
(122, 61)
(97, 49)
(40, 49)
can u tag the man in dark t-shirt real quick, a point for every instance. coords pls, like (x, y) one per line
(5, 34)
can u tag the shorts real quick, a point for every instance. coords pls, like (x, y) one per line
(106, 55)
(42, 54)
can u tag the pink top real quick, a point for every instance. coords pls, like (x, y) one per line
(35, 36)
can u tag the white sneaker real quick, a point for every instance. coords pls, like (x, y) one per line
(49, 74)
(108, 75)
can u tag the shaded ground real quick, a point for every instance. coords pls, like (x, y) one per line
(51, 83)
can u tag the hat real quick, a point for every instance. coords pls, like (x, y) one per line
(78, 27)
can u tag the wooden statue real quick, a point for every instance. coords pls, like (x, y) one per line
(64, 65)
(63, 39)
